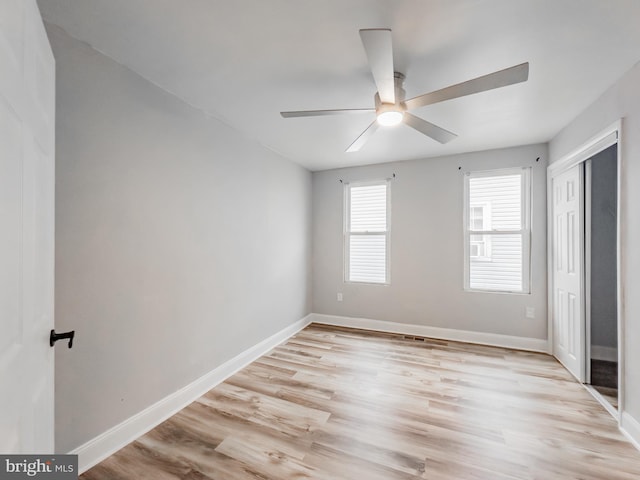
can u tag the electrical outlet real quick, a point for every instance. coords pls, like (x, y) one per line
(529, 312)
(339, 297)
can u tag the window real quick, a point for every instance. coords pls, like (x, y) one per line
(366, 233)
(480, 220)
(497, 230)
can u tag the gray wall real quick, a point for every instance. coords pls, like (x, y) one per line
(427, 247)
(621, 100)
(179, 243)
(604, 191)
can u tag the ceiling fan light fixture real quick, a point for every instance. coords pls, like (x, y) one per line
(390, 118)
(390, 105)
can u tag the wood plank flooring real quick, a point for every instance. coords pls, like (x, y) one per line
(604, 373)
(604, 378)
(335, 403)
(609, 394)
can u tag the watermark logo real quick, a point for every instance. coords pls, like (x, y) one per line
(50, 467)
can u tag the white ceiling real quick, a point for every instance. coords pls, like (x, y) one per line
(243, 61)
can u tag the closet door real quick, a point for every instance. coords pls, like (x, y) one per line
(568, 266)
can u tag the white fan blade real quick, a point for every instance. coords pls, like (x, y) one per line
(320, 113)
(429, 129)
(501, 78)
(377, 44)
(363, 138)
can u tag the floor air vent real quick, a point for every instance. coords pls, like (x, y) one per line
(414, 338)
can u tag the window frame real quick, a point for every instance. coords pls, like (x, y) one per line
(525, 228)
(346, 243)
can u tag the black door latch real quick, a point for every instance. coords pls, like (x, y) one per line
(54, 337)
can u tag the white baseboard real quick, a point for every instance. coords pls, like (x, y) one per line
(630, 427)
(598, 352)
(104, 445)
(493, 339)
(603, 401)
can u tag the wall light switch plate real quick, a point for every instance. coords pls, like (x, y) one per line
(339, 297)
(530, 312)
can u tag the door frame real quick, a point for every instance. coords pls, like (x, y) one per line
(611, 135)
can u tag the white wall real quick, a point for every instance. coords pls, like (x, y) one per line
(179, 243)
(622, 100)
(427, 247)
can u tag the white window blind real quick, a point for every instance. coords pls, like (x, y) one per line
(497, 230)
(367, 232)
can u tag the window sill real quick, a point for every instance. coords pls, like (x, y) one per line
(349, 282)
(501, 292)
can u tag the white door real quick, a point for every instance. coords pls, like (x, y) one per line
(27, 98)
(568, 293)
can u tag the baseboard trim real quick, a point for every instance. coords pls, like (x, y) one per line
(109, 442)
(603, 401)
(630, 428)
(493, 339)
(609, 354)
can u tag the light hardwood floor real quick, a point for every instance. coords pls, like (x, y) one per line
(335, 403)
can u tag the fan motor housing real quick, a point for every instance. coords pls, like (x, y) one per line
(399, 106)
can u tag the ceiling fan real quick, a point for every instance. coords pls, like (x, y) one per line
(391, 108)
